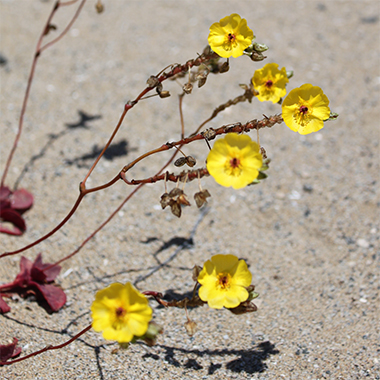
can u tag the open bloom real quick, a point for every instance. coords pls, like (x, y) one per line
(224, 280)
(270, 82)
(305, 109)
(230, 36)
(234, 161)
(121, 312)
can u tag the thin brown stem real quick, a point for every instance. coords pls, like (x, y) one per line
(37, 54)
(69, 25)
(237, 128)
(68, 216)
(110, 217)
(181, 116)
(48, 348)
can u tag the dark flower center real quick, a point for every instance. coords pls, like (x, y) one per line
(303, 109)
(231, 37)
(269, 84)
(120, 312)
(235, 162)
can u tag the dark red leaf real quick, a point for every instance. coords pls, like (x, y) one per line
(24, 278)
(21, 200)
(5, 192)
(4, 308)
(12, 216)
(32, 280)
(40, 275)
(54, 296)
(8, 351)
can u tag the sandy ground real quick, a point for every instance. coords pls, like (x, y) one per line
(310, 232)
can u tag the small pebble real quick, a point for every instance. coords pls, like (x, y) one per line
(362, 243)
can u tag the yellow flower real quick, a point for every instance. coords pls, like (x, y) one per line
(234, 161)
(121, 312)
(224, 280)
(230, 36)
(305, 109)
(270, 82)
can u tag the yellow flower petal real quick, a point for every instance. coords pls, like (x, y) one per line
(305, 109)
(230, 36)
(223, 281)
(270, 82)
(234, 161)
(121, 312)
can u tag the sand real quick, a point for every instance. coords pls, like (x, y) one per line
(309, 232)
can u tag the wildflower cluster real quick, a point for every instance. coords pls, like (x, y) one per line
(123, 314)
(120, 311)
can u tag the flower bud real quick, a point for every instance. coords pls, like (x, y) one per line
(257, 57)
(150, 336)
(259, 47)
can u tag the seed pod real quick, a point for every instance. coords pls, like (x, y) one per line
(176, 209)
(190, 161)
(208, 134)
(99, 7)
(200, 197)
(165, 200)
(164, 94)
(187, 88)
(152, 81)
(175, 192)
(159, 88)
(180, 161)
(191, 327)
(182, 199)
(196, 270)
(224, 68)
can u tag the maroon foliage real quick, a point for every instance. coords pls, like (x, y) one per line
(8, 351)
(35, 278)
(12, 205)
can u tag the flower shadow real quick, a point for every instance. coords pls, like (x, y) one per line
(249, 361)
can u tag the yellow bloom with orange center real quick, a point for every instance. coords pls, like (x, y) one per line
(224, 280)
(234, 161)
(230, 36)
(305, 109)
(270, 82)
(121, 312)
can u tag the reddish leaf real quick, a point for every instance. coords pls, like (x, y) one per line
(21, 200)
(40, 275)
(4, 308)
(5, 192)
(32, 280)
(54, 296)
(24, 278)
(8, 351)
(12, 216)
